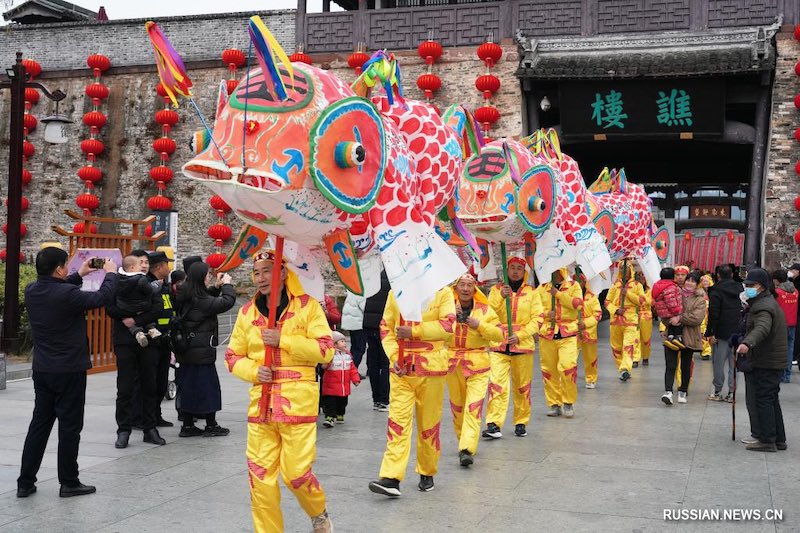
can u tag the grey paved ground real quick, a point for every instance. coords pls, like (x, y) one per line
(616, 466)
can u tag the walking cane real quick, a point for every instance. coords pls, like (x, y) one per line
(733, 403)
(505, 280)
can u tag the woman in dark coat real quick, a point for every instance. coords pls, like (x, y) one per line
(199, 391)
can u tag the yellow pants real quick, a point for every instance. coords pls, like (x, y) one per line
(289, 449)
(467, 393)
(625, 346)
(559, 362)
(706, 349)
(520, 368)
(678, 374)
(589, 353)
(645, 337)
(407, 393)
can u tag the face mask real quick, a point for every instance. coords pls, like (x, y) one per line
(750, 292)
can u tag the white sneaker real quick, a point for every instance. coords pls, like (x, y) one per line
(569, 412)
(749, 440)
(322, 523)
(681, 397)
(554, 410)
(667, 397)
(153, 333)
(141, 338)
(590, 385)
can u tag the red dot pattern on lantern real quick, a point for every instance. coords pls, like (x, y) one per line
(215, 260)
(731, 235)
(159, 203)
(428, 82)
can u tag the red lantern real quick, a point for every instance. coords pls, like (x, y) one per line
(797, 68)
(429, 84)
(29, 122)
(98, 63)
(87, 201)
(357, 60)
(92, 147)
(797, 32)
(490, 53)
(218, 204)
(4, 253)
(94, 119)
(23, 229)
(90, 174)
(164, 145)
(26, 176)
(687, 236)
(220, 232)
(231, 85)
(731, 235)
(24, 203)
(148, 231)
(162, 92)
(31, 95)
(797, 134)
(159, 203)
(430, 51)
(300, 57)
(81, 227)
(215, 260)
(797, 168)
(32, 68)
(161, 173)
(167, 117)
(96, 91)
(488, 84)
(797, 101)
(797, 203)
(487, 115)
(797, 237)
(28, 149)
(233, 58)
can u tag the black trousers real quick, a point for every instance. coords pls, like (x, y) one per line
(763, 405)
(334, 405)
(62, 397)
(358, 345)
(377, 367)
(162, 379)
(134, 361)
(671, 359)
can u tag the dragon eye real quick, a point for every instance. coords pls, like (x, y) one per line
(349, 154)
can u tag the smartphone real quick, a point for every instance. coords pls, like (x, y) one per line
(97, 262)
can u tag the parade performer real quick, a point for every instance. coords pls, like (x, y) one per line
(561, 300)
(645, 320)
(623, 302)
(280, 364)
(588, 318)
(477, 328)
(515, 358)
(417, 352)
(706, 282)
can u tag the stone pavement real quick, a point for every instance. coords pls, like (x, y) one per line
(616, 466)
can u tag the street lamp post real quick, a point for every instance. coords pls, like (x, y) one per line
(17, 83)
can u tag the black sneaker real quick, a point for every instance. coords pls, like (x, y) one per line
(386, 486)
(520, 431)
(24, 492)
(491, 431)
(465, 458)
(190, 431)
(425, 483)
(161, 423)
(645, 362)
(636, 364)
(624, 375)
(216, 431)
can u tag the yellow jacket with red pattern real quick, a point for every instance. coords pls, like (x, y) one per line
(425, 354)
(568, 301)
(471, 346)
(305, 340)
(526, 315)
(591, 314)
(633, 302)
(646, 310)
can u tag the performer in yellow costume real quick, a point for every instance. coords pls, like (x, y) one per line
(706, 282)
(588, 318)
(477, 328)
(417, 353)
(645, 320)
(281, 365)
(624, 300)
(516, 357)
(561, 299)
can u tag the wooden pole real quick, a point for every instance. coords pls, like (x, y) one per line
(274, 293)
(505, 280)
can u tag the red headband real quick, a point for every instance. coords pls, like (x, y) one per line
(518, 260)
(266, 255)
(681, 269)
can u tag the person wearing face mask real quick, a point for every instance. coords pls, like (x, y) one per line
(724, 313)
(280, 364)
(477, 328)
(694, 310)
(764, 346)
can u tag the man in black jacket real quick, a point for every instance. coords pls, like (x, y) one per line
(56, 308)
(159, 278)
(724, 311)
(765, 346)
(377, 362)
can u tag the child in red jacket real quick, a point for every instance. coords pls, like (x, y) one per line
(336, 380)
(668, 302)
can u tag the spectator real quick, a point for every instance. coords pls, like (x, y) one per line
(339, 373)
(377, 362)
(176, 279)
(794, 276)
(56, 309)
(353, 321)
(694, 310)
(724, 309)
(198, 382)
(786, 296)
(135, 296)
(668, 302)
(332, 312)
(764, 347)
(159, 280)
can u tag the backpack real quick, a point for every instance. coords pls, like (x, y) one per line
(179, 335)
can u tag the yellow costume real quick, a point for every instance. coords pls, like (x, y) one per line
(526, 311)
(646, 324)
(422, 387)
(558, 341)
(282, 414)
(707, 348)
(468, 375)
(590, 315)
(625, 326)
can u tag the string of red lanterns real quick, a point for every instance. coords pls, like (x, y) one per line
(164, 146)
(488, 84)
(357, 59)
(234, 59)
(797, 132)
(428, 82)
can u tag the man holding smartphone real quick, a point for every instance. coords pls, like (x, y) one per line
(56, 308)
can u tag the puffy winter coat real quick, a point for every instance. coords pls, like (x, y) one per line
(200, 318)
(724, 309)
(339, 373)
(766, 333)
(332, 312)
(667, 298)
(694, 312)
(353, 312)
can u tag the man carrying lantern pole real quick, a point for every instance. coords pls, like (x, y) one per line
(477, 328)
(561, 300)
(623, 302)
(514, 359)
(417, 352)
(588, 317)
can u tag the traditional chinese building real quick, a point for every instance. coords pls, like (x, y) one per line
(694, 98)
